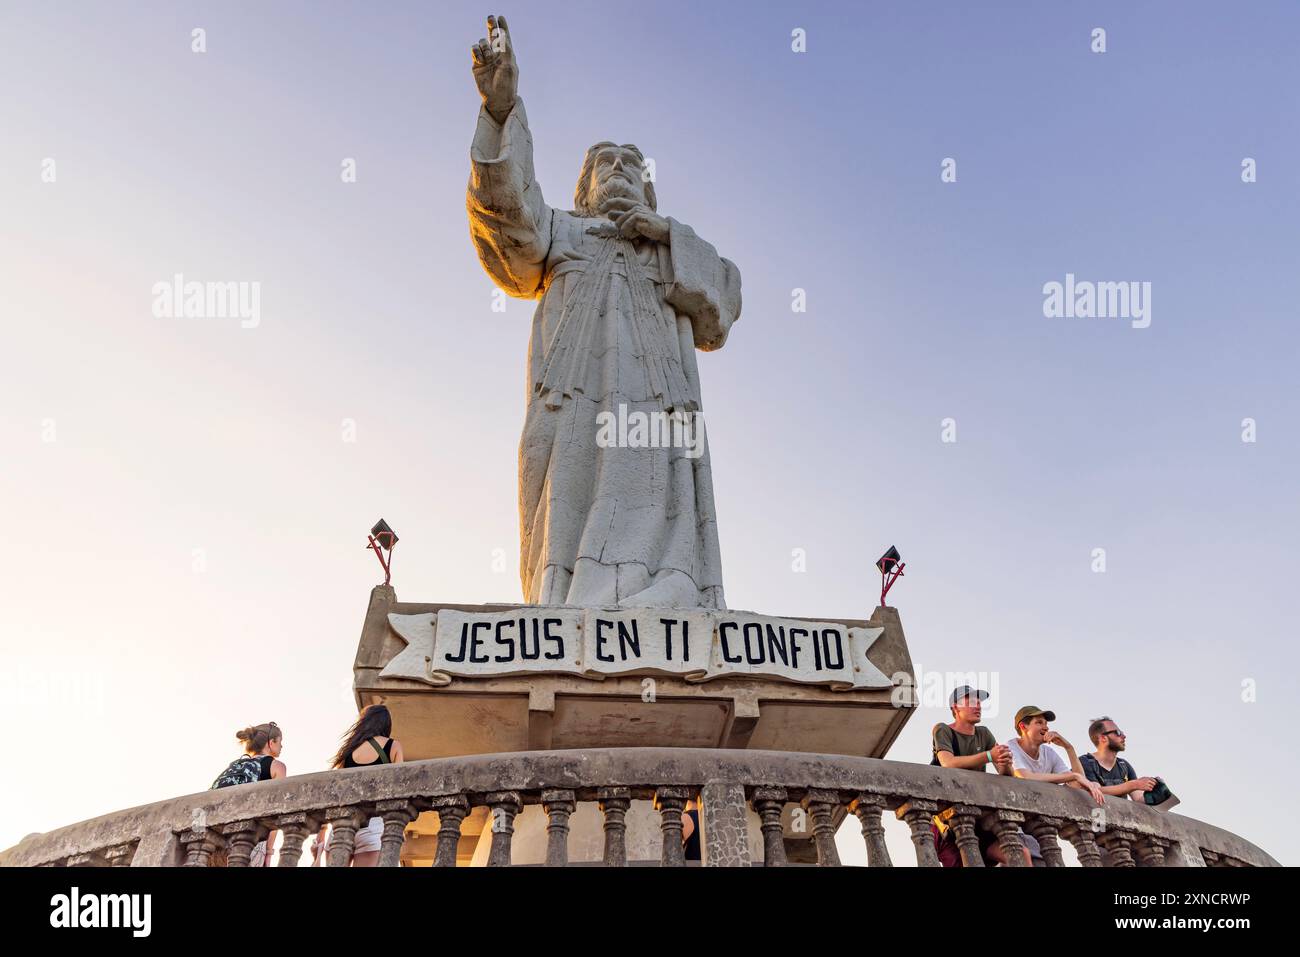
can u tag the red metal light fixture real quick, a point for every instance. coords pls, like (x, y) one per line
(891, 566)
(382, 539)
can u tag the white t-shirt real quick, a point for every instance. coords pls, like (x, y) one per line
(1049, 760)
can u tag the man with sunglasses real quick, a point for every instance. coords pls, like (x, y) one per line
(1106, 768)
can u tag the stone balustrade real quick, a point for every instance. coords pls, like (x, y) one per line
(729, 783)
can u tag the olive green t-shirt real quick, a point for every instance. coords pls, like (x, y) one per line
(944, 738)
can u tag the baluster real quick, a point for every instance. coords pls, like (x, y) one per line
(821, 805)
(962, 819)
(1081, 836)
(1151, 851)
(868, 808)
(614, 802)
(119, 855)
(769, 803)
(919, 816)
(1006, 824)
(1118, 846)
(725, 825)
(397, 813)
(671, 802)
(344, 822)
(559, 804)
(240, 837)
(1183, 854)
(1044, 831)
(295, 828)
(504, 806)
(452, 809)
(199, 846)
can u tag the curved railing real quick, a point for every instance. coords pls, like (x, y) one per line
(188, 830)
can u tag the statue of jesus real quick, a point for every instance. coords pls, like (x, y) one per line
(625, 296)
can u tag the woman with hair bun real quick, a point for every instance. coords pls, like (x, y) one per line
(260, 762)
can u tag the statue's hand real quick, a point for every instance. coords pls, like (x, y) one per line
(637, 219)
(495, 71)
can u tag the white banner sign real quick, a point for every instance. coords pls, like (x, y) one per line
(593, 642)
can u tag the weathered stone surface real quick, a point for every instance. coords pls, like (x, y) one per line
(670, 802)
(642, 770)
(344, 822)
(1118, 847)
(1084, 839)
(1007, 825)
(962, 820)
(613, 804)
(295, 828)
(918, 813)
(821, 804)
(868, 808)
(1045, 830)
(1151, 851)
(724, 840)
(769, 803)
(504, 806)
(559, 804)
(452, 809)
(396, 814)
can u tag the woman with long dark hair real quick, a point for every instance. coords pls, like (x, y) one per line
(367, 742)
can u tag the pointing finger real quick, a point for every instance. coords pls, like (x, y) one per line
(497, 33)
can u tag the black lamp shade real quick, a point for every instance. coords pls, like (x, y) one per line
(384, 535)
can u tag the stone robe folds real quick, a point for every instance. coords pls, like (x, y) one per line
(603, 526)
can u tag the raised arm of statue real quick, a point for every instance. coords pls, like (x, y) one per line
(702, 285)
(509, 221)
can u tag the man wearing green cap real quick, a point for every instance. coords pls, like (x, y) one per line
(1033, 761)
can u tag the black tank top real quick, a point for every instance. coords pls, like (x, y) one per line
(265, 761)
(349, 763)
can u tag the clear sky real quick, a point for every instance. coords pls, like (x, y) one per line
(184, 511)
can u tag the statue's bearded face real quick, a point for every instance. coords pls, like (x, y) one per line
(616, 173)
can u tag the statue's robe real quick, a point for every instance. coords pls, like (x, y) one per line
(617, 325)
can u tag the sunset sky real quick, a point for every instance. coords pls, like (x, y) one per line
(186, 500)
